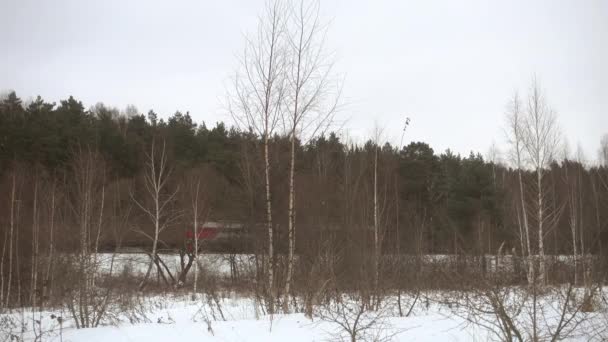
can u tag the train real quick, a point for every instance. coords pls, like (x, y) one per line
(233, 237)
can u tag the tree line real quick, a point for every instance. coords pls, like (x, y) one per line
(55, 158)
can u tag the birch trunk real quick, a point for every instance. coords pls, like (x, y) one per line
(528, 253)
(516, 136)
(4, 241)
(291, 223)
(573, 210)
(35, 244)
(269, 227)
(309, 110)
(195, 231)
(47, 276)
(541, 234)
(10, 243)
(376, 227)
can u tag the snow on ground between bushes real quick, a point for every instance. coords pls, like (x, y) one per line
(178, 318)
(293, 328)
(182, 320)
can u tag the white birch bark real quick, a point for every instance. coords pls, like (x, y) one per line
(257, 102)
(541, 138)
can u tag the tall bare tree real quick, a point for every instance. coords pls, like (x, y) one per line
(378, 210)
(157, 172)
(256, 101)
(515, 134)
(541, 139)
(197, 197)
(311, 97)
(573, 176)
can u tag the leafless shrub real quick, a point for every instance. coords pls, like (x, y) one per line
(9, 328)
(87, 302)
(513, 313)
(25, 324)
(315, 275)
(353, 320)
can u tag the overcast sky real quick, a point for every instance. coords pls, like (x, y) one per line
(449, 65)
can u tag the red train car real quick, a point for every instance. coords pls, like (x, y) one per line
(215, 235)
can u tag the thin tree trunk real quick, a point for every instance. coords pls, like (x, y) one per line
(269, 227)
(152, 256)
(573, 206)
(541, 236)
(10, 244)
(292, 219)
(17, 261)
(376, 227)
(99, 225)
(4, 241)
(195, 233)
(35, 243)
(47, 285)
(527, 254)
(580, 225)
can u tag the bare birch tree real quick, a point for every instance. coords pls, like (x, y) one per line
(311, 98)
(574, 182)
(541, 138)
(377, 212)
(256, 101)
(158, 211)
(198, 211)
(515, 136)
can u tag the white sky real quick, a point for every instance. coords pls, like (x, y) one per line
(449, 65)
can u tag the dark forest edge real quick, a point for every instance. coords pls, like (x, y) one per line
(77, 181)
(454, 198)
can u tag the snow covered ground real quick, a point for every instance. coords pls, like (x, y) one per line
(181, 319)
(293, 328)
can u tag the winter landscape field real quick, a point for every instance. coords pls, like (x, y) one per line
(303, 170)
(172, 319)
(232, 316)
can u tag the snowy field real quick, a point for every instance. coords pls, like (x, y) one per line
(176, 317)
(182, 319)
